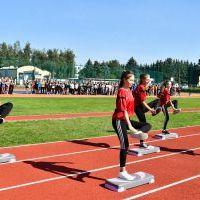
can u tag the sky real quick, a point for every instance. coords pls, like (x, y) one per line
(106, 29)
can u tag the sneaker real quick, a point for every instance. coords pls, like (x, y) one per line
(176, 111)
(140, 135)
(158, 110)
(2, 120)
(143, 145)
(165, 132)
(124, 175)
(134, 135)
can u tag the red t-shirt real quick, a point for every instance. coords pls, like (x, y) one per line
(124, 101)
(164, 97)
(140, 94)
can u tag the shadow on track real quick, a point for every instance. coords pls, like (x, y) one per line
(61, 170)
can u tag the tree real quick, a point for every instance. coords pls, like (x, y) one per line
(27, 53)
(131, 64)
(88, 70)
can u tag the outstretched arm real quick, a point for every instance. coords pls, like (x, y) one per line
(131, 128)
(172, 105)
(147, 107)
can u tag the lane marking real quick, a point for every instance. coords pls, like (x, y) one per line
(163, 187)
(98, 137)
(91, 150)
(93, 170)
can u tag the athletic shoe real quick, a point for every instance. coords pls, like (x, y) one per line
(158, 110)
(140, 135)
(143, 145)
(135, 134)
(176, 111)
(2, 120)
(165, 132)
(124, 175)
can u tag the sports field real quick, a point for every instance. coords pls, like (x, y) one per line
(37, 131)
(77, 169)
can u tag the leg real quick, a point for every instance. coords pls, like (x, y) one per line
(166, 114)
(176, 110)
(153, 104)
(140, 114)
(5, 109)
(144, 127)
(175, 103)
(121, 130)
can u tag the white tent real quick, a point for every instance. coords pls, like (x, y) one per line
(27, 72)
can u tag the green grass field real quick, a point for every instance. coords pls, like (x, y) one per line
(17, 133)
(41, 106)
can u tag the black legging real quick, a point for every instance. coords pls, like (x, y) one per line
(140, 110)
(5, 109)
(166, 114)
(120, 127)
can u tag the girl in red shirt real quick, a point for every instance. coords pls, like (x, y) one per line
(141, 107)
(121, 121)
(165, 102)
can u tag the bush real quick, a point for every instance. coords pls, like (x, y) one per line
(192, 90)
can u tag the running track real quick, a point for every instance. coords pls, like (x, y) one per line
(70, 116)
(78, 169)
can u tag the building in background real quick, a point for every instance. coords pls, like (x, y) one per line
(78, 68)
(22, 74)
(9, 72)
(30, 73)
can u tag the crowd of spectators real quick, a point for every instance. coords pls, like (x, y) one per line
(86, 87)
(6, 85)
(71, 87)
(154, 90)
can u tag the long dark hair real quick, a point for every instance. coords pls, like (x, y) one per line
(142, 76)
(125, 75)
(164, 84)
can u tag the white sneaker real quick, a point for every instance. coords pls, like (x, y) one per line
(140, 135)
(176, 111)
(136, 135)
(124, 175)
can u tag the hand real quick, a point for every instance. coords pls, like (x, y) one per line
(133, 130)
(152, 111)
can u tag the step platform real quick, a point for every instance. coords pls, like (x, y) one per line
(166, 136)
(120, 185)
(7, 157)
(143, 151)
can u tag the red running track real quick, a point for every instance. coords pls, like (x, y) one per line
(70, 116)
(55, 177)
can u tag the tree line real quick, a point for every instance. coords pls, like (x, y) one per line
(61, 63)
(182, 72)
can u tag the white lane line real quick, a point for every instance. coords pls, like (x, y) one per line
(93, 170)
(91, 150)
(163, 187)
(64, 141)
